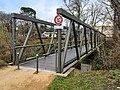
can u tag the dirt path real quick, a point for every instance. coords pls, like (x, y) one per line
(12, 79)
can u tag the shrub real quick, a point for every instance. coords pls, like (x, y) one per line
(2, 63)
(112, 59)
(98, 63)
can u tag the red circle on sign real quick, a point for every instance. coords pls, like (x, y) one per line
(58, 19)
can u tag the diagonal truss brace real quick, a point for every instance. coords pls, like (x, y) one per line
(75, 40)
(39, 34)
(26, 40)
(27, 37)
(66, 45)
(48, 52)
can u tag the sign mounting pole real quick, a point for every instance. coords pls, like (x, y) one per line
(58, 21)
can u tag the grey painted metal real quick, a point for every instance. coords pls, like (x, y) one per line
(23, 17)
(49, 63)
(39, 34)
(34, 45)
(86, 44)
(77, 20)
(81, 42)
(59, 51)
(14, 39)
(56, 61)
(75, 40)
(51, 41)
(69, 66)
(91, 41)
(66, 45)
(97, 38)
(62, 56)
(94, 39)
(88, 38)
(18, 61)
(71, 17)
(26, 40)
(37, 64)
(66, 37)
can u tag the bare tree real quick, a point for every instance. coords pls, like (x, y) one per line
(115, 4)
(95, 11)
(5, 20)
(107, 13)
(114, 14)
(91, 13)
(77, 7)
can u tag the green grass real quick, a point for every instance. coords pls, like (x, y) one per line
(95, 80)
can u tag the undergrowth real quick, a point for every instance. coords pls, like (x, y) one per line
(2, 64)
(95, 80)
(112, 58)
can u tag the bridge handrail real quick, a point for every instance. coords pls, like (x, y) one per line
(23, 17)
(92, 37)
(77, 20)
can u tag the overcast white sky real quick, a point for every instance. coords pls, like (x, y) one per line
(46, 9)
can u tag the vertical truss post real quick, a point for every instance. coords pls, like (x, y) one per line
(97, 38)
(75, 40)
(85, 34)
(94, 39)
(37, 64)
(59, 51)
(18, 67)
(81, 42)
(91, 38)
(14, 39)
(56, 61)
(39, 34)
(100, 39)
(88, 39)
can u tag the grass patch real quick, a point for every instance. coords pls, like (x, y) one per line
(95, 80)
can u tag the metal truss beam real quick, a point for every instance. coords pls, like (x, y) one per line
(23, 17)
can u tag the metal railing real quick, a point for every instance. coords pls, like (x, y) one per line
(91, 38)
(34, 22)
(78, 35)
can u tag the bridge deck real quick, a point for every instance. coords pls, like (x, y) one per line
(48, 63)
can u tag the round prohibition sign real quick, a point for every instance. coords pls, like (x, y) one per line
(58, 19)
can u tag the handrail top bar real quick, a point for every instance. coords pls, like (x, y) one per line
(23, 17)
(71, 17)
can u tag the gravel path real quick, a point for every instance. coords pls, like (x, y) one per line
(12, 79)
